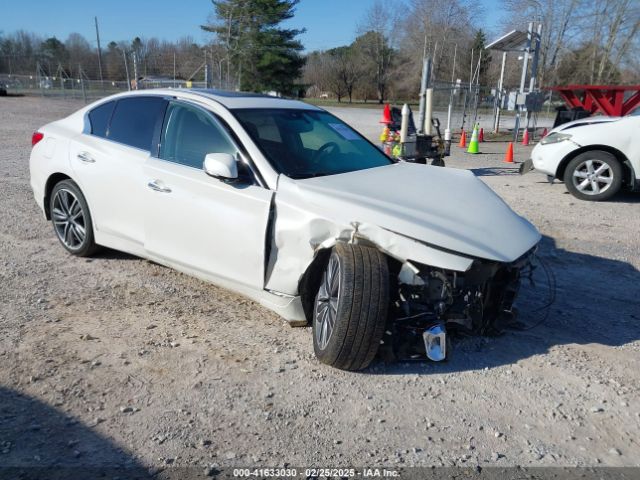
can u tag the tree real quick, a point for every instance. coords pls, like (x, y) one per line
(343, 71)
(114, 62)
(373, 44)
(79, 53)
(53, 53)
(478, 45)
(608, 29)
(377, 60)
(434, 29)
(259, 54)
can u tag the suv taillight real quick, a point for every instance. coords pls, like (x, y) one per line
(36, 137)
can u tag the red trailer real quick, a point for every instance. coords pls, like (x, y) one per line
(610, 100)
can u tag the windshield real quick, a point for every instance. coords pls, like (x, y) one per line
(308, 143)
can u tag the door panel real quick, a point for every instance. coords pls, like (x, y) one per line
(110, 176)
(202, 223)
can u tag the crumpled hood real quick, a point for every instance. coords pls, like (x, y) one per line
(442, 207)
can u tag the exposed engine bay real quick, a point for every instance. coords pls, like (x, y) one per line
(431, 302)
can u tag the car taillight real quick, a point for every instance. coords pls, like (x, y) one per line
(36, 137)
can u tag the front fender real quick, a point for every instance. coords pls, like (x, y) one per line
(298, 236)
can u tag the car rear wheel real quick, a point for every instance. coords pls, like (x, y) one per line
(71, 219)
(350, 310)
(595, 175)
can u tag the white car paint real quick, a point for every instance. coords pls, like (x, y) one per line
(619, 133)
(260, 240)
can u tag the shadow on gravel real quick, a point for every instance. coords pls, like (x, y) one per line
(626, 197)
(38, 442)
(108, 254)
(622, 197)
(495, 171)
(597, 302)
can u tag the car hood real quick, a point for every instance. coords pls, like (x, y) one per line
(443, 207)
(583, 122)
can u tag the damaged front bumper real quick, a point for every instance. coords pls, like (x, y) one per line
(430, 302)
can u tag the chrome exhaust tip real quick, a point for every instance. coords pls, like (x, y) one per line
(435, 342)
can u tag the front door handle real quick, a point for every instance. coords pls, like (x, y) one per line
(86, 157)
(158, 188)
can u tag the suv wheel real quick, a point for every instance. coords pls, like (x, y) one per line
(350, 309)
(595, 175)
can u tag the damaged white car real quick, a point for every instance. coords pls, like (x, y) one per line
(285, 203)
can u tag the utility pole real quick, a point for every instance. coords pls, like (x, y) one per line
(499, 95)
(99, 53)
(135, 69)
(174, 69)
(424, 84)
(126, 69)
(206, 71)
(523, 78)
(453, 79)
(84, 92)
(477, 90)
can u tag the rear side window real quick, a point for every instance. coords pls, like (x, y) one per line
(99, 119)
(134, 121)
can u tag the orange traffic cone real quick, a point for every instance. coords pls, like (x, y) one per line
(481, 135)
(508, 157)
(525, 137)
(386, 115)
(544, 132)
(463, 140)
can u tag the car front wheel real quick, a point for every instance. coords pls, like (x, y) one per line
(595, 175)
(71, 219)
(350, 309)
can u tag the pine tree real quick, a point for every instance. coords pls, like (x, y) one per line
(479, 44)
(260, 55)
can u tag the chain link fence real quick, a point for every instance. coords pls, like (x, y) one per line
(81, 88)
(459, 106)
(456, 105)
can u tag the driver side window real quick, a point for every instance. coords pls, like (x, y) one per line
(189, 134)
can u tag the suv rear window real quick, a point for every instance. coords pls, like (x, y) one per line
(135, 119)
(99, 119)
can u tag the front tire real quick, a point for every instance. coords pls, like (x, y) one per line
(350, 309)
(71, 219)
(594, 175)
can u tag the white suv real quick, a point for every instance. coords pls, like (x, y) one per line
(285, 203)
(595, 157)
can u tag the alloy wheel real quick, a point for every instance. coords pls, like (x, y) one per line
(593, 177)
(69, 219)
(327, 302)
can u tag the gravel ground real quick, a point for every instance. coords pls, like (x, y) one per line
(118, 361)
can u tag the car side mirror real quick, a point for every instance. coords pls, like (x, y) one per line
(221, 166)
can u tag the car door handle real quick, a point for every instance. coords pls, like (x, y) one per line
(86, 158)
(158, 188)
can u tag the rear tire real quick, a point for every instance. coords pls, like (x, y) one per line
(594, 175)
(71, 219)
(350, 309)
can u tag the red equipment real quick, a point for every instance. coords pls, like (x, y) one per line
(608, 99)
(386, 115)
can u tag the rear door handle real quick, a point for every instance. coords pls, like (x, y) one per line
(158, 188)
(86, 157)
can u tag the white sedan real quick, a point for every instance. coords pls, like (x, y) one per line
(595, 157)
(285, 203)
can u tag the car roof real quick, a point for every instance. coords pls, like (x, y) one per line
(229, 99)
